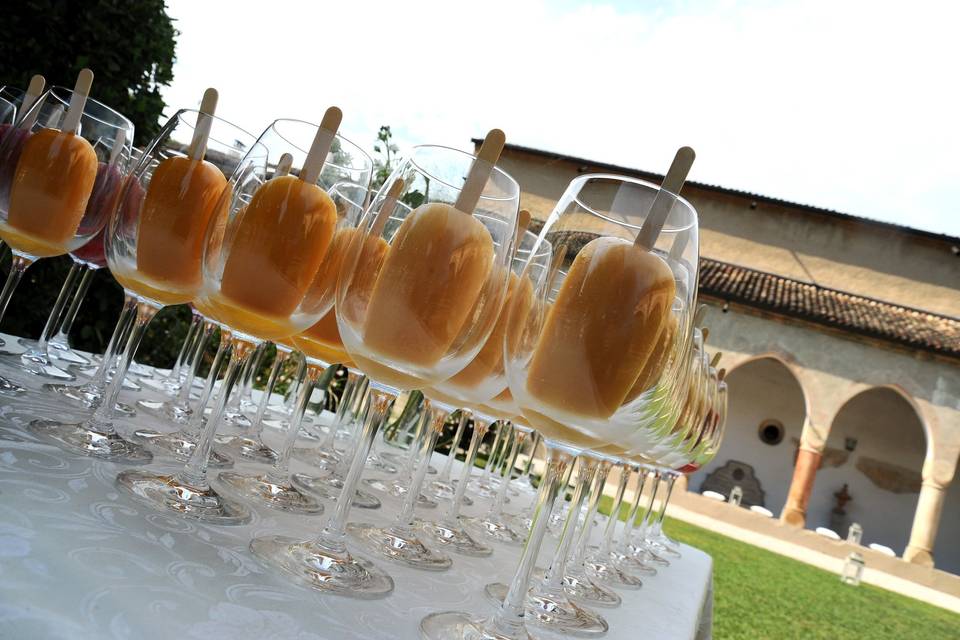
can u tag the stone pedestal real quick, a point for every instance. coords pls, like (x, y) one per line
(795, 510)
(926, 521)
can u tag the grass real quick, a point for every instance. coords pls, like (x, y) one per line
(760, 594)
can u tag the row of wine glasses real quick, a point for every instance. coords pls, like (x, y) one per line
(582, 334)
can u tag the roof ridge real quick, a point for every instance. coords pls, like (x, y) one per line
(932, 235)
(820, 287)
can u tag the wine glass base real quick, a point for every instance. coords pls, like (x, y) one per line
(399, 545)
(580, 587)
(485, 489)
(168, 494)
(87, 399)
(609, 571)
(38, 364)
(237, 419)
(329, 487)
(80, 439)
(251, 449)
(397, 490)
(259, 489)
(555, 612)
(66, 354)
(400, 459)
(10, 388)
(165, 411)
(644, 556)
(458, 625)
(456, 538)
(375, 463)
(444, 490)
(180, 446)
(494, 529)
(665, 545)
(318, 457)
(518, 523)
(326, 570)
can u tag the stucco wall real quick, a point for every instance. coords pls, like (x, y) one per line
(873, 261)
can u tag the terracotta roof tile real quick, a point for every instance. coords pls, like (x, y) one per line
(858, 314)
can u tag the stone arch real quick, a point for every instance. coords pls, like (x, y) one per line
(878, 445)
(764, 389)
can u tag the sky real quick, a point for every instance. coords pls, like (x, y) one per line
(846, 105)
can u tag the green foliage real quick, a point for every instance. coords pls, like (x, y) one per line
(128, 45)
(386, 152)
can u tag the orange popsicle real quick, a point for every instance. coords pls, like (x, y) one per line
(180, 200)
(277, 249)
(48, 197)
(602, 328)
(437, 265)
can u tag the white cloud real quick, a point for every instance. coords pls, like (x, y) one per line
(845, 105)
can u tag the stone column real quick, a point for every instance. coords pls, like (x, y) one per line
(926, 521)
(804, 472)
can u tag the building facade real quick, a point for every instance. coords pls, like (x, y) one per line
(842, 343)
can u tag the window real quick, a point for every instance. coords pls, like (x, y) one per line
(771, 432)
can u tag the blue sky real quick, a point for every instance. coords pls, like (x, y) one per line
(845, 105)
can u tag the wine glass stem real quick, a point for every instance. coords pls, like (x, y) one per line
(195, 359)
(496, 509)
(533, 452)
(433, 419)
(343, 411)
(278, 361)
(648, 511)
(63, 333)
(280, 470)
(292, 391)
(103, 415)
(420, 435)
(596, 493)
(508, 619)
(233, 402)
(488, 470)
(53, 319)
(668, 480)
(448, 465)
(480, 427)
(195, 424)
(375, 414)
(18, 265)
(553, 580)
(634, 507)
(189, 341)
(614, 515)
(98, 382)
(194, 473)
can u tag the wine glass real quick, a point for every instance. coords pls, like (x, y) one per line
(409, 319)
(154, 251)
(578, 363)
(58, 170)
(267, 274)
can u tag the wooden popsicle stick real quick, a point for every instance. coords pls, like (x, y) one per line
(480, 171)
(117, 147)
(386, 209)
(523, 221)
(322, 142)
(34, 89)
(81, 91)
(721, 375)
(715, 360)
(201, 133)
(679, 245)
(705, 332)
(669, 189)
(283, 166)
(55, 114)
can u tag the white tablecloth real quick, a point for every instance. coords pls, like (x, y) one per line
(78, 560)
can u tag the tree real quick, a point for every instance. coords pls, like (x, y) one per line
(130, 48)
(383, 166)
(128, 45)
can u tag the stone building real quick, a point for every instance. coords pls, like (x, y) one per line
(842, 341)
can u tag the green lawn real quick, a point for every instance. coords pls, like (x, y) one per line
(759, 594)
